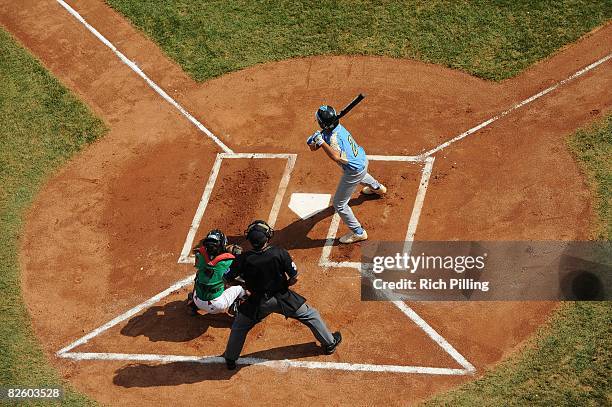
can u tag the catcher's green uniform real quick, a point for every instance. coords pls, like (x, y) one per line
(209, 277)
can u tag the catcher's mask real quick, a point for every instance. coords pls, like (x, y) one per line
(258, 233)
(215, 242)
(327, 117)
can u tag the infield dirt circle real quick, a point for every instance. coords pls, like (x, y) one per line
(114, 220)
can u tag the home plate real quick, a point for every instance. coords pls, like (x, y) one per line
(307, 205)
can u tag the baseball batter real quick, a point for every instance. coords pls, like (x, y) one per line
(212, 261)
(341, 147)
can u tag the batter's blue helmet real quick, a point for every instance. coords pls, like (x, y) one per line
(327, 117)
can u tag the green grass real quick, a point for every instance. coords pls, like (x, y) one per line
(490, 39)
(592, 147)
(569, 361)
(42, 125)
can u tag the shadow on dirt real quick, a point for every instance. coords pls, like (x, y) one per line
(295, 235)
(170, 323)
(176, 373)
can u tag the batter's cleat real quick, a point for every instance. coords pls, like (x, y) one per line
(352, 237)
(231, 364)
(371, 191)
(330, 349)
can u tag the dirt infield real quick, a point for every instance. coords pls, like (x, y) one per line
(113, 221)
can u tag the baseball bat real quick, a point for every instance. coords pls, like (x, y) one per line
(351, 105)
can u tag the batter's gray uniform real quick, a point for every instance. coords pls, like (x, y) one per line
(355, 172)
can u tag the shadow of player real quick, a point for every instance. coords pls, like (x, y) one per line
(170, 323)
(295, 235)
(176, 373)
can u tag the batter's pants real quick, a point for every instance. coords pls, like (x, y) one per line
(348, 182)
(243, 324)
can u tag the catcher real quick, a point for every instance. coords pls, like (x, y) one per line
(213, 258)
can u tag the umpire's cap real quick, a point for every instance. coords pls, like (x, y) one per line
(259, 233)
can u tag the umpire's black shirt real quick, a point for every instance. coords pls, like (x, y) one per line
(266, 274)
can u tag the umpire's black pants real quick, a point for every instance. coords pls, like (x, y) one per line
(242, 325)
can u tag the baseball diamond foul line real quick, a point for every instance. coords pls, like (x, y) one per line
(176, 286)
(439, 339)
(132, 65)
(516, 106)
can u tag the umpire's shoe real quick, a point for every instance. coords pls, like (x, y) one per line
(231, 364)
(330, 349)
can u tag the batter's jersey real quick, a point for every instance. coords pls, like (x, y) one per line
(353, 155)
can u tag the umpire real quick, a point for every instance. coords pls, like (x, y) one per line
(268, 271)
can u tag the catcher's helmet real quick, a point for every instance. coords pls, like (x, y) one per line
(259, 233)
(327, 117)
(215, 242)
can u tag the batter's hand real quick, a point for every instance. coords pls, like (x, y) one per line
(316, 139)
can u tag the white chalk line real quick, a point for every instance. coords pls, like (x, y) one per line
(329, 241)
(185, 256)
(403, 158)
(443, 343)
(132, 65)
(176, 286)
(420, 322)
(275, 364)
(418, 204)
(282, 188)
(324, 261)
(197, 218)
(287, 156)
(276, 207)
(278, 364)
(516, 106)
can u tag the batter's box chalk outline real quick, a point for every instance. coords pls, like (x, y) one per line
(186, 257)
(466, 367)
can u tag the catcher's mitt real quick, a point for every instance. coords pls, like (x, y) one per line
(234, 249)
